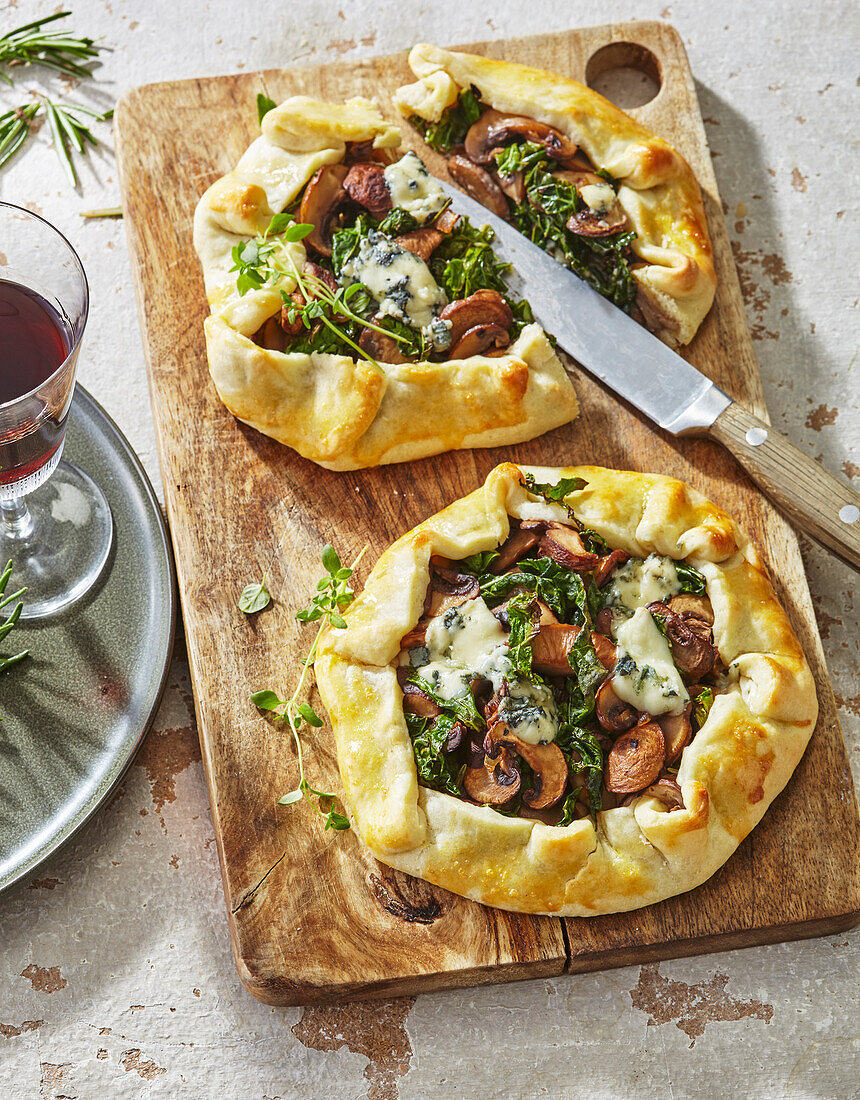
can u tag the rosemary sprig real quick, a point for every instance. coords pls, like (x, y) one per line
(333, 596)
(11, 619)
(68, 130)
(30, 44)
(15, 129)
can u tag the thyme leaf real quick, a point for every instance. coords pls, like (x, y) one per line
(333, 596)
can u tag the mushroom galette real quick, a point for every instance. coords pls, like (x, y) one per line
(571, 692)
(353, 316)
(578, 176)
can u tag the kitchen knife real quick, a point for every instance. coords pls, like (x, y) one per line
(639, 367)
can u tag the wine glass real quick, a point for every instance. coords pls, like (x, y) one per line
(58, 533)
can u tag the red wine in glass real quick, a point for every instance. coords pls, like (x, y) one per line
(34, 342)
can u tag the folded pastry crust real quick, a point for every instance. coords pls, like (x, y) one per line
(741, 758)
(658, 190)
(334, 410)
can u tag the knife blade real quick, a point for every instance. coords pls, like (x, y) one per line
(643, 370)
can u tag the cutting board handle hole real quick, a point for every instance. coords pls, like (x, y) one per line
(626, 73)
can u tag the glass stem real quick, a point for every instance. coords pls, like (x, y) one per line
(17, 523)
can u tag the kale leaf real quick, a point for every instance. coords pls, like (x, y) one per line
(702, 707)
(550, 201)
(451, 128)
(463, 706)
(435, 769)
(582, 752)
(560, 589)
(555, 494)
(691, 579)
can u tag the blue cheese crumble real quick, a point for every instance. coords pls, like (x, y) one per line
(401, 284)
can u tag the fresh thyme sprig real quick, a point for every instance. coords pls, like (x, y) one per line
(11, 619)
(262, 263)
(30, 44)
(333, 596)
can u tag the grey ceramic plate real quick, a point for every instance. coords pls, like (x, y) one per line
(76, 710)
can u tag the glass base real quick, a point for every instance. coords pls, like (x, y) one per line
(60, 552)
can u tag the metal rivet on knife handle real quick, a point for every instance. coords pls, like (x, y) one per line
(815, 501)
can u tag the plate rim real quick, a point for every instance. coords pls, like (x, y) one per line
(63, 836)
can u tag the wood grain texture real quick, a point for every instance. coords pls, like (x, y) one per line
(817, 502)
(312, 916)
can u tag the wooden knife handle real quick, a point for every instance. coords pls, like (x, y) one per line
(813, 499)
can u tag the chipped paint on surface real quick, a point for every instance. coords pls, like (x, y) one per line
(164, 754)
(44, 979)
(821, 416)
(691, 1007)
(9, 1031)
(376, 1029)
(133, 1062)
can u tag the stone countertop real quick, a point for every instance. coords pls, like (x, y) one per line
(115, 963)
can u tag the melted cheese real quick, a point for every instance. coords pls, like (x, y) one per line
(645, 675)
(530, 712)
(399, 281)
(462, 643)
(413, 189)
(598, 197)
(468, 641)
(638, 582)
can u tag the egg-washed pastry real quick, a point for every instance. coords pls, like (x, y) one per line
(354, 317)
(571, 692)
(577, 175)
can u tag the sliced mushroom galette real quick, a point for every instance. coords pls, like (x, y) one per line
(570, 692)
(354, 316)
(576, 175)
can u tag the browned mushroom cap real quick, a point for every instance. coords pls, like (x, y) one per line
(493, 130)
(323, 195)
(636, 758)
(613, 713)
(320, 273)
(604, 621)
(513, 185)
(479, 339)
(588, 223)
(416, 637)
(691, 641)
(564, 545)
(546, 761)
(690, 606)
(421, 242)
(447, 589)
(605, 650)
(359, 152)
(366, 185)
(550, 647)
(484, 307)
(494, 785)
(382, 348)
(272, 334)
(607, 564)
(518, 544)
(478, 183)
(667, 791)
(415, 701)
(677, 732)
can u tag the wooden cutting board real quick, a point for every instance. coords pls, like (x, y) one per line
(313, 917)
